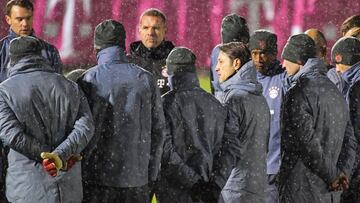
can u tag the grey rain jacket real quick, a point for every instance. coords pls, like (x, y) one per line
(243, 94)
(42, 111)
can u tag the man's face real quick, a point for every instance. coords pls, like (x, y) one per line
(152, 31)
(20, 20)
(291, 68)
(263, 60)
(341, 68)
(225, 67)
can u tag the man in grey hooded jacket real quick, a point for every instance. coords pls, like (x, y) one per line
(243, 95)
(41, 111)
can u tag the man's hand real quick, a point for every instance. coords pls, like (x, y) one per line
(51, 163)
(50, 167)
(340, 183)
(344, 181)
(72, 160)
(206, 191)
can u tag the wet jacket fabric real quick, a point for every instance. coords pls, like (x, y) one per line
(199, 126)
(49, 52)
(41, 111)
(337, 79)
(317, 138)
(129, 122)
(152, 60)
(243, 95)
(352, 95)
(273, 91)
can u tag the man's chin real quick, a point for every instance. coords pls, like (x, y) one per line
(151, 45)
(22, 34)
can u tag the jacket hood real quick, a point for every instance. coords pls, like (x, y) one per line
(275, 69)
(157, 53)
(29, 64)
(352, 75)
(245, 79)
(312, 68)
(184, 80)
(114, 54)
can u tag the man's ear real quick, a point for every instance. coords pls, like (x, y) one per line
(237, 64)
(8, 19)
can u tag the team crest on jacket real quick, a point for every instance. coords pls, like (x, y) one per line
(273, 92)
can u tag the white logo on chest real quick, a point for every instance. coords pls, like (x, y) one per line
(273, 92)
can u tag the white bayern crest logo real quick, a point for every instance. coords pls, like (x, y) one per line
(274, 92)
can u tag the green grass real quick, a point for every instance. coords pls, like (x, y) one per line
(204, 79)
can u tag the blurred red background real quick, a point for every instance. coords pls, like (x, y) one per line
(69, 24)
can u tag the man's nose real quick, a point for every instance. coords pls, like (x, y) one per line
(25, 23)
(151, 31)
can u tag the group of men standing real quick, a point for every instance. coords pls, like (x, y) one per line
(272, 132)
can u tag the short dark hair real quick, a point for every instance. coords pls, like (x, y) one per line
(350, 22)
(22, 3)
(154, 12)
(236, 50)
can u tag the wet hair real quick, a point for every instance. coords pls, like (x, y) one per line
(236, 50)
(154, 12)
(21, 3)
(350, 22)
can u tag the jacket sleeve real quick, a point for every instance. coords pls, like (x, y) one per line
(225, 160)
(173, 166)
(348, 151)
(158, 132)
(81, 134)
(299, 127)
(12, 134)
(352, 134)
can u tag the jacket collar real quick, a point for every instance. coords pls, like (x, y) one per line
(352, 75)
(245, 79)
(28, 64)
(312, 68)
(114, 54)
(157, 53)
(182, 81)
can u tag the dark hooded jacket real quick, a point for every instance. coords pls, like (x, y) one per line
(352, 95)
(199, 125)
(243, 94)
(49, 52)
(41, 111)
(152, 60)
(129, 122)
(317, 138)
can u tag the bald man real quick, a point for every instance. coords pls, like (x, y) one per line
(320, 42)
(320, 45)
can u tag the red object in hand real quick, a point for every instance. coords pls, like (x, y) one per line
(72, 160)
(70, 163)
(50, 167)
